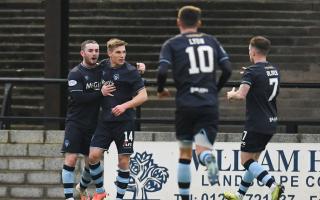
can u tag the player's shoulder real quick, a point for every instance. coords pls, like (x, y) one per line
(75, 70)
(172, 40)
(130, 67)
(103, 63)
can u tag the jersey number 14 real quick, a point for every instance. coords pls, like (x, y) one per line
(203, 53)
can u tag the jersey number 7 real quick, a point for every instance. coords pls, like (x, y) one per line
(203, 53)
(274, 82)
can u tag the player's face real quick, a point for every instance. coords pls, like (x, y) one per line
(90, 54)
(117, 55)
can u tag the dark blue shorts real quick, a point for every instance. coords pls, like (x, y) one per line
(122, 133)
(254, 142)
(76, 139)
(190, 121)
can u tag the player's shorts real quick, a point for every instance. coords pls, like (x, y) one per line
(76, 139)
(254, 142)
(191, 120)
(122, 133)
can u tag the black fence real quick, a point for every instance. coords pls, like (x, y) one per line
(6, 119)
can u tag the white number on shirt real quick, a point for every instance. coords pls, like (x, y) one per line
(203, 53)
(274, 82)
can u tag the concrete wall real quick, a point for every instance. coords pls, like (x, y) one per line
(30, 161)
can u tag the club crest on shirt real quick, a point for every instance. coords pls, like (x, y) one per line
(66, 143)
(116, 77)
(72, 83)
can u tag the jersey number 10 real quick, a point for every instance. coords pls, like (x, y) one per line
(203, 53)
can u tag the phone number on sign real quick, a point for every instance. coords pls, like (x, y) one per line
(248, 196)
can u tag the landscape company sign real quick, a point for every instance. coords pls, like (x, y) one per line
(153, 172)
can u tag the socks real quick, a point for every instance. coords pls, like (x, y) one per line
(259, 173)
(122, 182)
(68, 181)
(85, 178)
(96, 172)
(184, 178)
(246, 181)
(203, 157)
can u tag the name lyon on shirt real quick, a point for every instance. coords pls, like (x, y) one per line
(196, 41)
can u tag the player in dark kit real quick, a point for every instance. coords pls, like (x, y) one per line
(260, 88)
(123, 90)
(193, 57)
(84, 83)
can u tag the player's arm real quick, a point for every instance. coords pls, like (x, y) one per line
(239, 94)
(226, 73)
(161, 80)
(139, 99)
(75, 87)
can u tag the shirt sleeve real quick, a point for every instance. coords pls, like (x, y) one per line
(222, 54)
(75, 82)
(166, 54)
(76, 91)
(137, 82)
(248, 77)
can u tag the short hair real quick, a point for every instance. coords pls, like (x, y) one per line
(261, 43)
(84, 43)
(114, 43)
(189, 15)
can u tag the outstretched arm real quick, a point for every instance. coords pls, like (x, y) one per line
(239, 94)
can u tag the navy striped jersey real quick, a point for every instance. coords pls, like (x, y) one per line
(261, 107)
(127, 81)
(84, 85)
(193, 58)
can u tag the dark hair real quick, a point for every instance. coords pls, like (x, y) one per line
(114, 43)
(84, 43)
(261, 43)
(189, 15)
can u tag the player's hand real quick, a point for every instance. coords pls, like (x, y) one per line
(107, 89)
(231, 93)
(242, 70)
(165, 93)
(141, 67)
(118, 110)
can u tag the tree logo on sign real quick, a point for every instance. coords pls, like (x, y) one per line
(145, 176)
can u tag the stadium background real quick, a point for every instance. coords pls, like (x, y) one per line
(36, 42)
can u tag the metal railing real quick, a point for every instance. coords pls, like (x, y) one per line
(6, 119)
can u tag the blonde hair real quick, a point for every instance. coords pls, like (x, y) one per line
(114, 43)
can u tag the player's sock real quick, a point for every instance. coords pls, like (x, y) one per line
(184, 178)
(122, 182)
(203, 157)
(85, 178)
(96, 172)
(246, 181)
(259, 173)
(68, 176)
